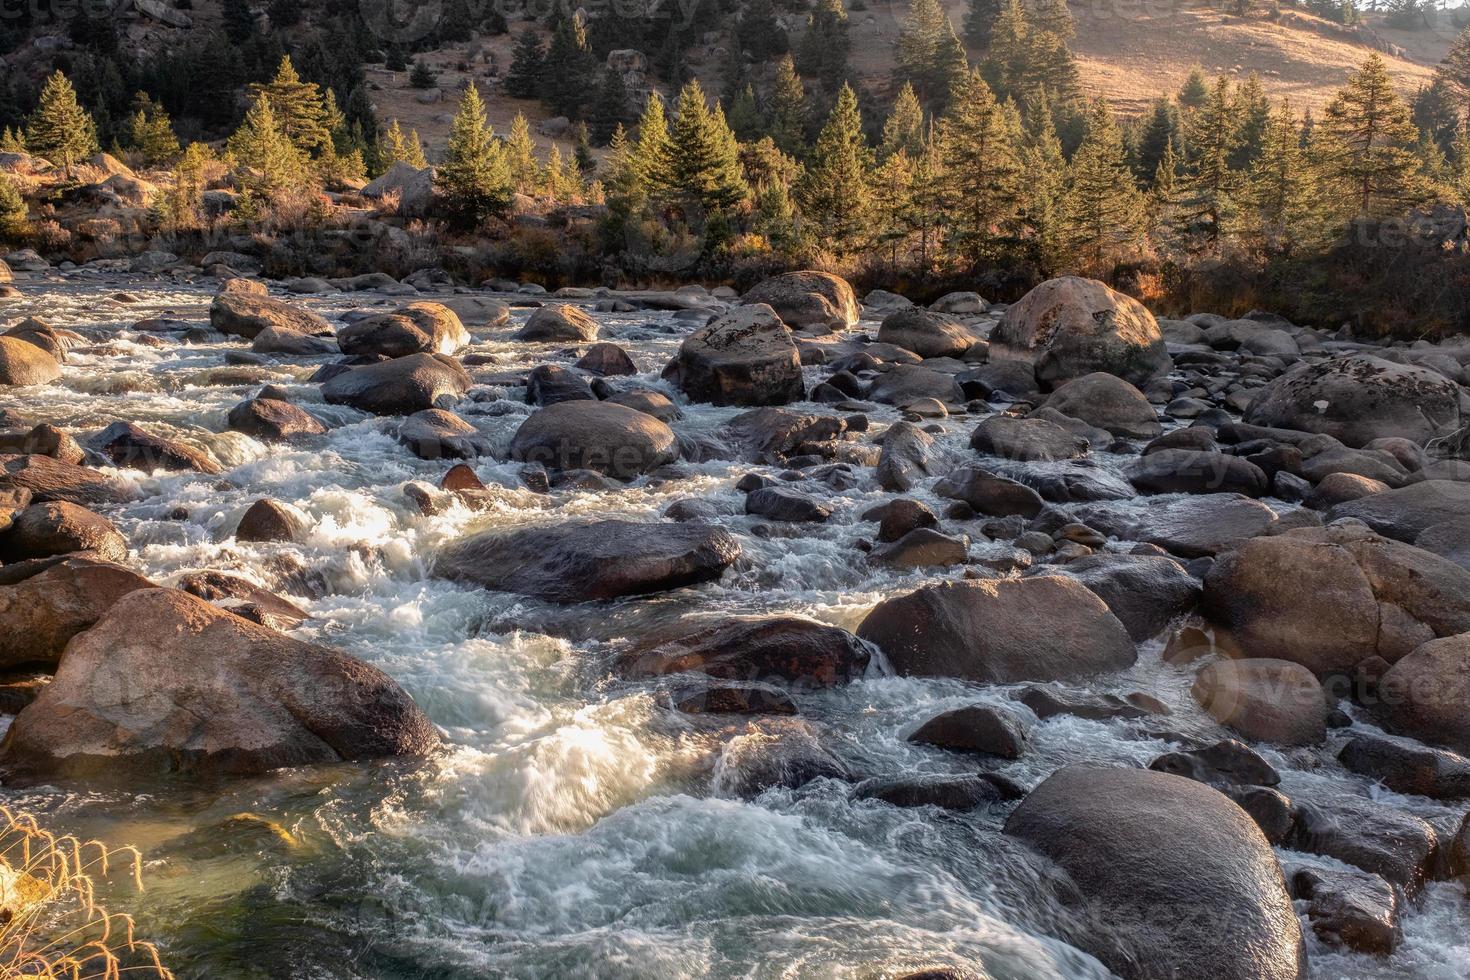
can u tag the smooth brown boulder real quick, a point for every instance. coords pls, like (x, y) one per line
(1000, 631)
(51, 479)
(43, 611)
(400, 386)
(1026, 440)
(783, 650)
(746, 357)
(23, 364)
(243, 307)
(43, 440)
(128, 445)
(926, 333)
(59, 528)
(268, 521)
(243, 598)
(1264, 700)
(1109, 403)
(817, 302)
(418, 328)
(166, 683)
(1180, 882)
(558, 322)
(587, 435)
(273, 420)
(1071, 327)
(978, 728)
(1426, 694)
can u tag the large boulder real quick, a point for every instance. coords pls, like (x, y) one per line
(583, 562)
(1192, 471)
(1000, 631)
(273, 420)
(1109, 403)
(784, 650)
(812, 301)
(243, 308)
(60, 528)
(418, 328)
(52, 479)
(1026, 440)
(746, 357)
(167, 683)
(589, 435)
(1358, 399)
(1427, 694)
(1181, 881)
(129, 445)
(43, 611)
(1191, 527)
(400, 386)
(1071, 327)
(1329, 598)
(438, 434)
(1264, 700)
(1409, 511)
(24, 364)
(559, 322)
(904, 384)
(926, 333)
(1145, 592)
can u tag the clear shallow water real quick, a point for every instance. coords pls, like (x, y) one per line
(573, 827)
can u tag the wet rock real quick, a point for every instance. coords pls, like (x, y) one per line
(1000, 631)
(898, 517)
(1353, 595)
(44, 610)
(1189, 471)
(437, 434)
(60, 528)
(979, 729)
(51, 479)
(926, 333)
(1350, 908)
(400, 386)
(1338, 488)
(1266, 700)
(165, 683)
(558, 322)
(273, 420)
(128, 445)
(964, 792)
(243, 598)
(1370, 835)
(1071, 327)
(904, 384)
(989, 494)
(1050, 701)
(43, 440)
(268, 520)
(1425, 694)
(549, 384)
(23, 364)
(1145, 593)
(780, 753)
(1026, 440)
(817, 302)
(1359, 398)
(921, 548)
(1450, 540)
(274, 340)
(1407, 512)
(779, 504)
(1224, 764)
(1165, 861)
(770, 435)
(243, 308)
(791, 651)
(745, 357)
(736, 699)
(1272, 811)
(1406, 768)
(607, 360)
(962, 302)
(908, 456)
(649, 403)
(598, 436)
(1109, 403)
(586, 562)
(418, 328)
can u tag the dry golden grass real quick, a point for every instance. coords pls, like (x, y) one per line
(52, 926)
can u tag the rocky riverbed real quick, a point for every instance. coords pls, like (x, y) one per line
(434, 632)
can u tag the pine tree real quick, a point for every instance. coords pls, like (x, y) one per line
(1162, 134)
(520, 155)
(980, 17)
(527, 66)
(1006, 68)
(184, 201)
(1454, 69)
(1281, 206)
(745, 116)
(891, 214)
(1195, 92)
(1053, 17)
(1204, 197)
(825, 45)
(610, 108)
(151, 133)
(759, 33)
(1043, 198)
(705, 174)
(1253, 113)
(422, 76)
(299, 108)
(475, 177)
(903, 130)
(11, 141)
(1459, 157)
(928, 195)
(1437, 112)
(626, 195)
(789, 110)
(266, 161)
(395, 147)
(570, 69)
(1104, 210)
(582, 149)
(653, 153)
(60, 129)
(239, 22)
(1368, 139)
(929, 53)
(12, 209)
(833, 192)
(978, 141)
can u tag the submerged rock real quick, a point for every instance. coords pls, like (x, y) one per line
(787, 650)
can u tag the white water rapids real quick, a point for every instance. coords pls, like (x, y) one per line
(572, 828)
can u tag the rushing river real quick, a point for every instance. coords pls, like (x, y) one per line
(575, 826)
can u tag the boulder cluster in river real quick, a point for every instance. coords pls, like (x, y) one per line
(1281, 513)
